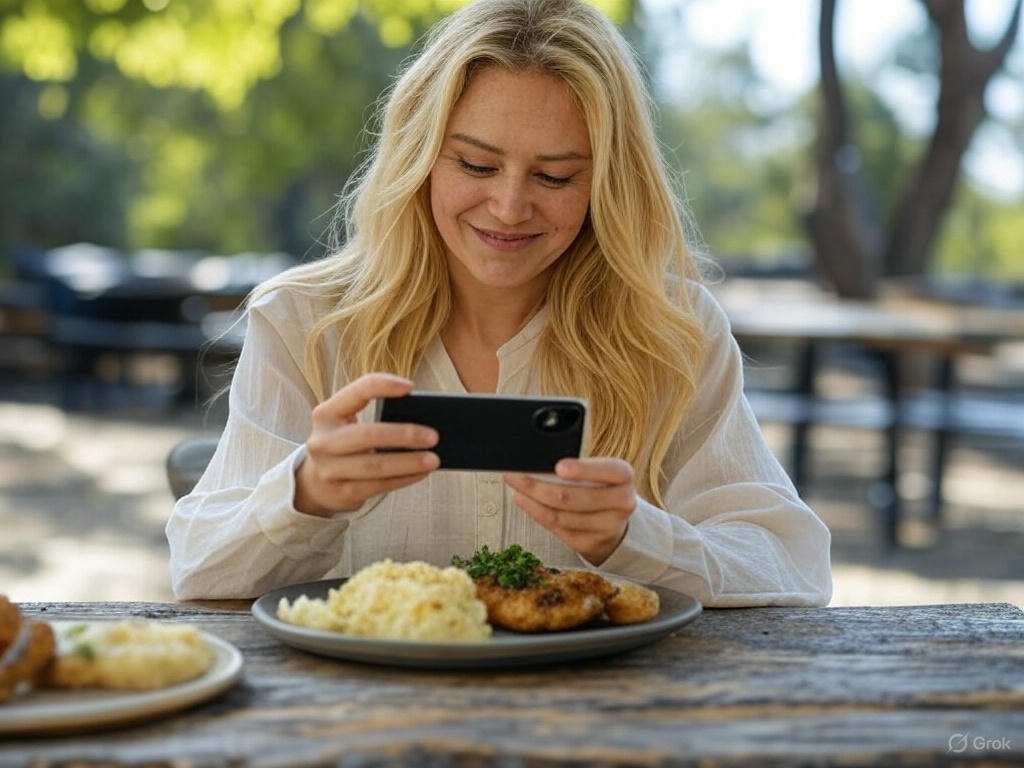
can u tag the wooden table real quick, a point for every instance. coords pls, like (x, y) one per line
(779, 686)
(889, 330)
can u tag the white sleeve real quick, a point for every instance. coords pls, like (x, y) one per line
(238, 534)
(734, 532)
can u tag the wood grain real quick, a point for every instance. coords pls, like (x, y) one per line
(771, 686)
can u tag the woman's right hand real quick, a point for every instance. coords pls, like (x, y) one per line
(341, 469)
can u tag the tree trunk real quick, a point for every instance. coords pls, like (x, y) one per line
(847, 238)
(844, 236)
(965, 73)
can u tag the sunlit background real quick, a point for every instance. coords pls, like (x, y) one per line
(160, 157)
(231, 126)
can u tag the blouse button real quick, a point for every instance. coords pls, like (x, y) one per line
(489, 509)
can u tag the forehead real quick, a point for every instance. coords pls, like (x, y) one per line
(531, 112)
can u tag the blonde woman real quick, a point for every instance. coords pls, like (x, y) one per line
(513, 232)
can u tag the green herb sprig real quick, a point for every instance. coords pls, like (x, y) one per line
(85, 650)
(512, 568)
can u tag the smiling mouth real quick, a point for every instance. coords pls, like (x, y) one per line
(504, 241)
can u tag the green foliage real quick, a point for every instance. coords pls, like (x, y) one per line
(231, 125)
(61, 183)
(224, 125)
(739, 168)
(220, 47)
(744, 163)
(982, 238)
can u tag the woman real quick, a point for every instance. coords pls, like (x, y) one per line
(513, 232)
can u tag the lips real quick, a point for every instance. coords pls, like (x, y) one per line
(504, 241)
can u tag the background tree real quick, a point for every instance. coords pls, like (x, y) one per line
(193, 124)
(58, 182)
(853, 246)
(232, 126)
(739, 161)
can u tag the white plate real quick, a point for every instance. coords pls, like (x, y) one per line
(57, 711)
(504, 649)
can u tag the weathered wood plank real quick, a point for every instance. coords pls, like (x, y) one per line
(771, 686)
(849, 738)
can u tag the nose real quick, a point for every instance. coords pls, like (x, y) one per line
(510, 201)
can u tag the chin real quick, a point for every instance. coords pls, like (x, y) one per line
(505, 278)
(503, 283)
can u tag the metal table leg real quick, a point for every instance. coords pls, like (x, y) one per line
(890, 503)
(945, 379)
(804, 385)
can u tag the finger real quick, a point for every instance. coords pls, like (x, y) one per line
(607, 470)
(378, 466)
(366, 437)
(344, 404)
(564, 522)
(544, 515)
(352, 493)
(572, 497)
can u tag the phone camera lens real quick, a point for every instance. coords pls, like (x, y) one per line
(554, 419)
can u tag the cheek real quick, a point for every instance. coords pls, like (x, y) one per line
(437, 194)
(449, 198)
(572, 213)
(444, 207)
(436, 207)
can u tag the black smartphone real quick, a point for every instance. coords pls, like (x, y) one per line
(499, 433)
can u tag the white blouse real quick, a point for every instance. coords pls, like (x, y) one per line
(734, 531)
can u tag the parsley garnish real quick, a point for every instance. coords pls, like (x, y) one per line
(84, 650)
(512, 568)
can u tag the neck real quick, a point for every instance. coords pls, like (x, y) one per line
(490, 321)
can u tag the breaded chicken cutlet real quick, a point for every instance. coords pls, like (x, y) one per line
(561, 600)
(523, 595)
(26, 649)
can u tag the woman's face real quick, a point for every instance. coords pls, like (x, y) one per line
(511, 186)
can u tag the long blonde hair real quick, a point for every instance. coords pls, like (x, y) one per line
(621, 332)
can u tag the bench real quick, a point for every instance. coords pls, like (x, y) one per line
(981, 415)
(888, 334)
(23, 329)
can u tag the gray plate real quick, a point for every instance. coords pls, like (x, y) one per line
(61, 711)
(504, 649)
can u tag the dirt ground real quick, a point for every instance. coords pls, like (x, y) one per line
(84, 498)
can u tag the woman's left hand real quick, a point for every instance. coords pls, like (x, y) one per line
(591, 519)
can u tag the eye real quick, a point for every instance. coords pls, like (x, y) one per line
(476, 170)
(554, 181)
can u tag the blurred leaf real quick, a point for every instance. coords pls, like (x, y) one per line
(224, 125)
(61, 183)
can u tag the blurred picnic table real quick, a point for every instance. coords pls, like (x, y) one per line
(89, 305)
(894, 330)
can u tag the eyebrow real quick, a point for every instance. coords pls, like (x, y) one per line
(499, 151)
